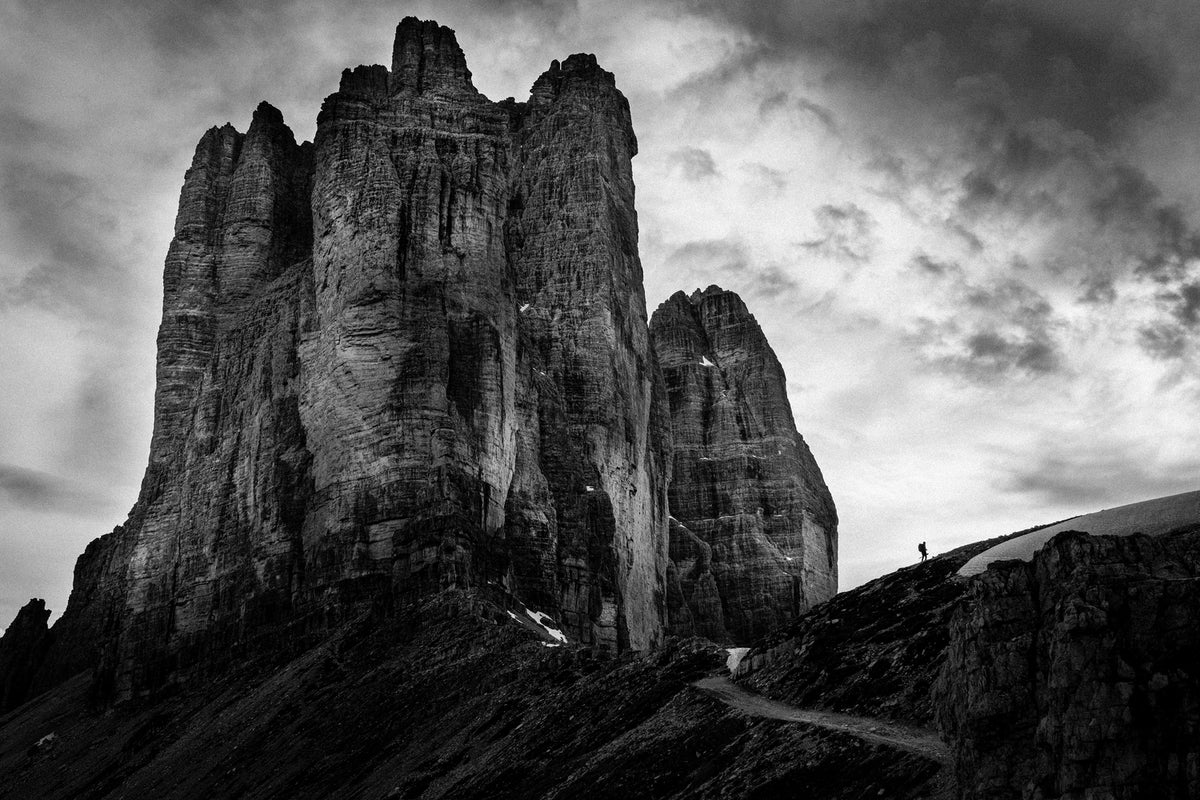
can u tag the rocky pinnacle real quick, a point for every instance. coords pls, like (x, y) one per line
(753, 530)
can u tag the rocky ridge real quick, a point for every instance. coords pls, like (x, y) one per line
(1075, 675)
(1067, 678)
(446, 698)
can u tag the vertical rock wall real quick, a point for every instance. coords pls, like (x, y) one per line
(210, 551)
(478, 387)
(411, 355)
(753, 539)
(604, 440)
(1074, 676)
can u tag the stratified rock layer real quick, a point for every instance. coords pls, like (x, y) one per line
(753, 536)
(409, 356)
(1075, 676)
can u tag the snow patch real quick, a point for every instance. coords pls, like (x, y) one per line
(590, 488)
(542, 620)
(524, 308)
(736, 654)
(1150, 517)
(704, 362)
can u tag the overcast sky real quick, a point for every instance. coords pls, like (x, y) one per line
(970, 229)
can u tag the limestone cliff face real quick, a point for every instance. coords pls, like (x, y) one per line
(1075, 675)
(753, 537)
(411, 355)
(480, 406)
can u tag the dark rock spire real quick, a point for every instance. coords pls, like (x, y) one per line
(22, 648)
(426, 59)
(754, 529)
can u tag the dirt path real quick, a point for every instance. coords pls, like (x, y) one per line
(915, 740)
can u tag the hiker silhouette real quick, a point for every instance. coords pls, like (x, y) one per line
(924, 552)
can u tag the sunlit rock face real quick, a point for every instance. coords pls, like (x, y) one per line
(408, 356)
(753, 536)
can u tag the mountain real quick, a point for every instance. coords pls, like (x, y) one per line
(432, 511)
(753, 532)
(413, 356)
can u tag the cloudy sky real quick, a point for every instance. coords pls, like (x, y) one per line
(971, 230)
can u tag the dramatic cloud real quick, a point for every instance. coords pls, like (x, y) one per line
(845, 233)
(711, 255)
(1093, 478)
(931, 266)
(40, 492)
(694, 164)
(783, 101)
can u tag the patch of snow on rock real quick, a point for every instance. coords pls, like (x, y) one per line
(543, 620)
(736, 654)
(1150, 517)
(704, 362)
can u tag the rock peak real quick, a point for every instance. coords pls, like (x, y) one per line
(267, 124)
(426, 59)
(267, 112)
(578, 67)
(21, 649)
(712, 291)
(743, 480)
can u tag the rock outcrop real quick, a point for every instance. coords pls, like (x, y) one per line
(22, 649)
(1075, 675)
(411, 355)
(753, 534)
(873, 650)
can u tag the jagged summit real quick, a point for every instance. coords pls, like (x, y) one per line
(576, 67)
(426, 59)
(699, 294)
(22, 647)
